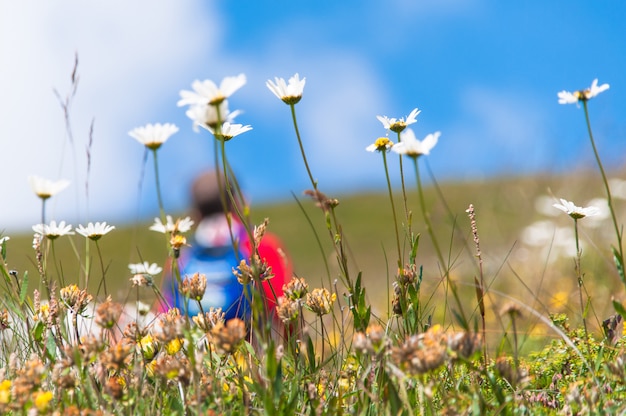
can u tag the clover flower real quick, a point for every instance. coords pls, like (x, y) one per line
(207, 92)
(74, 298)
(421, 353)
(45, 188)
(108, 313)
(296, 289)
(398, 125)
(287, 309)
(576, 212)
(193, 287)
(413, 147)
(209, 319)
(227, 337)
(53, 231)
(153, 135)
(566, 97)
(228, 131)
(94, 231)
(320, 301)
(382, 144)
(290, 93)
(182, 225)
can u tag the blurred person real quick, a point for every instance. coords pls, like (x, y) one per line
(214, 254)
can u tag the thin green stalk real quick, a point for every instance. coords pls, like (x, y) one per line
(431, 233)
(406, 207)
(425, 214)
(306, 163)
(609, 198)
(158, 186)
(43, 211)
(103, 282)
(579, 277)
(393, 207)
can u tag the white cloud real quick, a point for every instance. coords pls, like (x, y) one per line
(132, 57)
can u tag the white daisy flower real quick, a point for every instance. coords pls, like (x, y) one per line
(289, 93)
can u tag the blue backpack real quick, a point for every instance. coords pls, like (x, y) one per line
(222, 288)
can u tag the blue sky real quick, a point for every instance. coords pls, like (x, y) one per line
(484, 73)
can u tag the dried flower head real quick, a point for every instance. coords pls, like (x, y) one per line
(170, 326)
(4, 320)
(512, 309)
(421, 353)
(259, 231)
(193, 287)
(227, 337)
(362, 344)
(320, 301)
(287, 309)
(296, 289)
(258, 269)
(321, 200)
(115, 387)
(407, 275)
(514, 376)
(170, 367)
(75, 299)
(108, 313)
(464, 343)
(210, 319)
(28, 380)
(378, 336)
(116, 357)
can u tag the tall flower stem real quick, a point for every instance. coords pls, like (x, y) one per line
(43, 210)
(609, 199)
(158, 186)
(579, 277)
(406, 207)
(393, 207)
(431, 233)
(425, 213)
(103, 282)
(306, 163)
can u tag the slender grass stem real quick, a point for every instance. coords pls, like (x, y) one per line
(609, 198)
(406, 207)
(43, 211)
(426, 215)
(306, 163)
(579, 278)
(103, 282)
(393, 207)
(158, 186)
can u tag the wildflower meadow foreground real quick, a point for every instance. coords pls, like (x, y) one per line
(459, 345)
